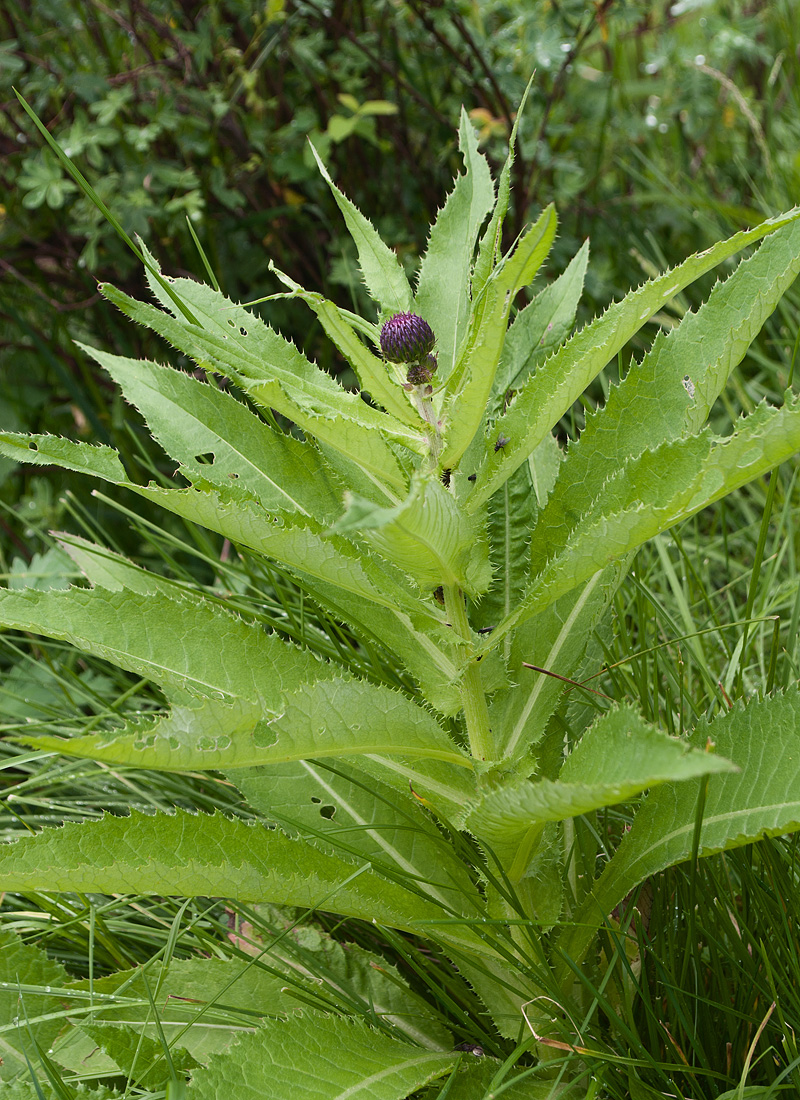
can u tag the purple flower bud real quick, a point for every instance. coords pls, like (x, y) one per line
(407, 338)
(420, 373)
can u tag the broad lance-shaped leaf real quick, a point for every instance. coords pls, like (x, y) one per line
(491, 240)
(167, 640)
(302, 543)
(340, 326)
(657, 490)
(553, 640)
(762, 798)
(383, 274)
(353, 813)
(618, 757)
(539, 328)
(262, 354)
(470, 385)
(511, 517)
(670, 391)
(561, 380)
(442, 296)
(190, 418)
(197, 855)
(427, 536)
(302, 1056)
(188, 991)
(274, 374)
(336, 718)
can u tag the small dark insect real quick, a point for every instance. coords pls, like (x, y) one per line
(470, 1048)
(501, 442)
(472, 477)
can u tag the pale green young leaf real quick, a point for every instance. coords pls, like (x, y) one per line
(189, 418)
(383, 274)
(302, 1056)
(560, 380)
(442, 296)
(618, 757)
(539, 328)
(427, 536)
(373, 373)
(762, 798)
(166, 640)
(351, 812)
(657, 490)
(196, 855)
(470, 385)
(670, 391)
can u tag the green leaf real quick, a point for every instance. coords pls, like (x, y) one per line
(278, 376)
(427, 536)
(620, 756)
(195, 855)
(491, 241)
(337, 718)
(302, 1056)
(24, 965)
(428, 648)
(657, 490)
(190, 418)
(352, 814)
(301, 543)
(762, 798)
(554, 640)
(383, 274)
(474, 1078)
(561, 380)
(539, 328)
(297, 963)
(470, 384)
(442, 296)
(166, 640)
(138, 1056)
(51, 450)
(511, 516)
(653, 403)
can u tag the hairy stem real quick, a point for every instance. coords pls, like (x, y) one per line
(473, 697)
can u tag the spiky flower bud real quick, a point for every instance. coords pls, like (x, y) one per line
(407, 338)
(420, 373)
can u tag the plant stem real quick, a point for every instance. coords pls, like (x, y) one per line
(476, 713)
(428, 413)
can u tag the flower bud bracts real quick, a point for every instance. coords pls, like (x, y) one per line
(407, 338)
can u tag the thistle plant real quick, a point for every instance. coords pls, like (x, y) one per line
(436, 514)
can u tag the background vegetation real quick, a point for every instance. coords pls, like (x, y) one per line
(656, 129)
